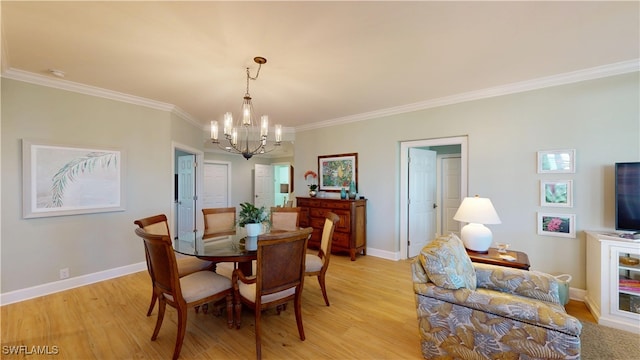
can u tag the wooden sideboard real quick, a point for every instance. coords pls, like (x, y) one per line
(350, 234)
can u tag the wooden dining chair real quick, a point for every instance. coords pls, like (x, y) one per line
(219, 222)
(182, 293)
(158, 225)
(285, 218)
(317, 264)
(279, 277)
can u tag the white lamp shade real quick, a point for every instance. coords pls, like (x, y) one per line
(476, 211)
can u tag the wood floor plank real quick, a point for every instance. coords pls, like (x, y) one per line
(372, 315)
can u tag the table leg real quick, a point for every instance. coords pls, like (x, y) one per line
(246, 268)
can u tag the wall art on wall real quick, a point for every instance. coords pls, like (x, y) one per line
(562, 225)
(337, 171)
(557, 161)
(69, 180)
(557, 193)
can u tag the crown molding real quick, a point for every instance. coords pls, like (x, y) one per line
(67, 85)
(619, 68)
(598, 72)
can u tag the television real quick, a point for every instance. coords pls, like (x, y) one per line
(627, 202)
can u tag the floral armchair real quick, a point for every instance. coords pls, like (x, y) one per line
(475, 311)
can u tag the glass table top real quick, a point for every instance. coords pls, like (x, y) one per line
(221, 246)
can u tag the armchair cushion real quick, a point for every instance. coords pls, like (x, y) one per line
(447, 264)
(532, 284)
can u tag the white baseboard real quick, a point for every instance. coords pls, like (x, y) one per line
(389, 255)
(577, 294)
(62, 285)
(57, 286)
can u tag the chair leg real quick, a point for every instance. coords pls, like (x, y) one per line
(298, 305)
(153, 303)
(229, 299)
(280, 308)
(238, 306)
(323, 288)
(182, 329)
(161, 308)
(258, 343)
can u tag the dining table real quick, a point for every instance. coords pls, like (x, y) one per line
(217, 249)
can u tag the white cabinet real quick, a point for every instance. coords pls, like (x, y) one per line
(613, 287)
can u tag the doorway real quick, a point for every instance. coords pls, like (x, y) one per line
(283, 184)
(451, 157)
(184, 218)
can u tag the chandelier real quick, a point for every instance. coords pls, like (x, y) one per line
(246, 137)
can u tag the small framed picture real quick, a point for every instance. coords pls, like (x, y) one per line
(558, 193)
(557, 161)
(562, 225)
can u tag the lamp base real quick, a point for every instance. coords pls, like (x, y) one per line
(476, 237)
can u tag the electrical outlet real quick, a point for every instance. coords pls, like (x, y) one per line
(64, 273)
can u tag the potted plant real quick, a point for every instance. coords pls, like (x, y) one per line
(251, 218)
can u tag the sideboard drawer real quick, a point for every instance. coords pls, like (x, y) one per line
(317, 223)
(341, 240)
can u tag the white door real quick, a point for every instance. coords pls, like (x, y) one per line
(422, 199)
(451, 198)
(215, 193)
(186, 196)
(263, 186)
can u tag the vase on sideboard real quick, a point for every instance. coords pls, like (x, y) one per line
(352, 190)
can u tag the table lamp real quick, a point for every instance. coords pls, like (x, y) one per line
(476, 211)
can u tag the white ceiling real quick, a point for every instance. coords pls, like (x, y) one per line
(327, 61)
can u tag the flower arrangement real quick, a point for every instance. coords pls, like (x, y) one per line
(311, 184)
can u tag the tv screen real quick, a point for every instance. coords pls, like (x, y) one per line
(628, 196)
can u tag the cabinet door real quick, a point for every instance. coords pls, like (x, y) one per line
(625, 292)
(344, 223)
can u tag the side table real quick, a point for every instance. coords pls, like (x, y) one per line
(493, 257)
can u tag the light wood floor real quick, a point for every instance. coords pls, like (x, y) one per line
(372, 316)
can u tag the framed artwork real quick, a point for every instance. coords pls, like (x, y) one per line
(557, 161)
(562, 225)
(62, 180)
(558, 193)
(337, 171)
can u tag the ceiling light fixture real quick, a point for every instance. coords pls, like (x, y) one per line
(253, 137)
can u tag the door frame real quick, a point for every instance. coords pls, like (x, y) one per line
(440, 186)
(199, 176)
(404, 179)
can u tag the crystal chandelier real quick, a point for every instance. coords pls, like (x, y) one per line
(246, 137)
